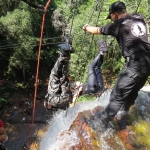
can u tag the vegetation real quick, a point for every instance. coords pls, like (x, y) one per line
(140, 130)
(20, 31)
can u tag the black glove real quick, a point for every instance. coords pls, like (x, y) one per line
(65, 47)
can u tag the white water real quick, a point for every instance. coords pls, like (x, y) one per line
(63, 120)
(146, 88)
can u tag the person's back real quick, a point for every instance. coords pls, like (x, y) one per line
(130, 32)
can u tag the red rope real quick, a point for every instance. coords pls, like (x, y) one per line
(37, 71)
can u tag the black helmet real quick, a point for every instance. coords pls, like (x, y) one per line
(114, 7)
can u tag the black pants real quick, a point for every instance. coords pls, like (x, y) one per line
(59, 94)
(124, 94)
(94, 83)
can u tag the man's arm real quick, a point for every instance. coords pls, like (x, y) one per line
(75, 96)
(91, 29)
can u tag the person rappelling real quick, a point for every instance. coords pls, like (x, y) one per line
(62, 92)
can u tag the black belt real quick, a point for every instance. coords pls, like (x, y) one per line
(137, 56)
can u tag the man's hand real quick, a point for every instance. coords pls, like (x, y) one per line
(102, 46)
(84, 27)
(47, 105)
(79, 88)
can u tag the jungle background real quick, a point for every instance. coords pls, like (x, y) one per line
(20, 27)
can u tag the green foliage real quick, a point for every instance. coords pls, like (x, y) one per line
(141, 130)
(20, 28)
(5, 90)
(8, 89)
(21, 25)
(86, 98)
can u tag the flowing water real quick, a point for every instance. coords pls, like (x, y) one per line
(62, 120)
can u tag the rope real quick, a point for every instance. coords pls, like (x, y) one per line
(93, 34)
(39, 52)
(11, 47)
(19, 44)
(73, 19)
(82, 46)
(92, 37)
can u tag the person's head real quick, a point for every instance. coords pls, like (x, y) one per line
(116, 10)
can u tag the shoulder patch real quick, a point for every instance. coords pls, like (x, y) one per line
(138, 29)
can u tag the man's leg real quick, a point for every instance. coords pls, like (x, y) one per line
(123, 111)
(63, 99)
(120, 95)
(95, 80)
(55, 80)
(66, 95)
(124, 90)
(56, 74)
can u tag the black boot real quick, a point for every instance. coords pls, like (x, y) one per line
(99, 124)
(65, 49)
(121, 120)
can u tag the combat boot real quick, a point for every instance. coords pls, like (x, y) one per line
(121, 120)
(66, 49)
(99, 124)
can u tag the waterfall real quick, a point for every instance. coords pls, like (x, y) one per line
(55, 137)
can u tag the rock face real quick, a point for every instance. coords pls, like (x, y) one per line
(89, 139)
(81, 136)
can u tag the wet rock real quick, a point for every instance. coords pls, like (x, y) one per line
(87, 138)
(90, 139)
(79, 135)
(31, 144)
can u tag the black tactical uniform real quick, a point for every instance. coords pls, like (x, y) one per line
(130, 32)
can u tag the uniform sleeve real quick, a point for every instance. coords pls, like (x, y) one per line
(109, 29)
(1, 124)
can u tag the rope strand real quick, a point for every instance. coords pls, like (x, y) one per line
(39, 52)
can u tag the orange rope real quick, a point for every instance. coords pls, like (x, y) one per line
(37, 72)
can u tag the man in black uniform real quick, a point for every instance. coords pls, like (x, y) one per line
(130, 32)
